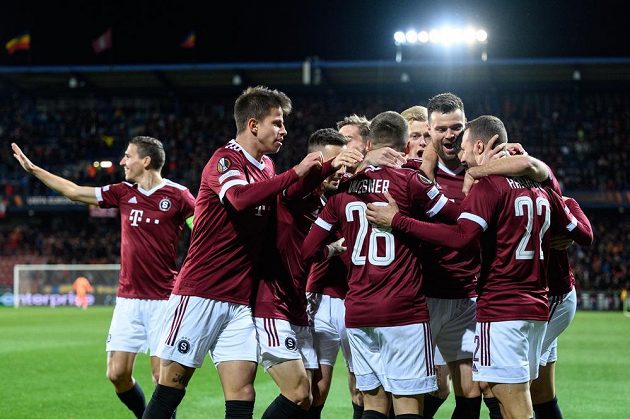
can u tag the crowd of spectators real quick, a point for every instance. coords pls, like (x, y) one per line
(582, 135)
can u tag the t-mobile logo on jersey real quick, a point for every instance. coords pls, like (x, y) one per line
(135, 216)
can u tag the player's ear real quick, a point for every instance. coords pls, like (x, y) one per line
(368, 145)
(252, 125)
(146, 162)
(479, 146)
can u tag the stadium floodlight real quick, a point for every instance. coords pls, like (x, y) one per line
(411, 37)
(482, 36)
(106, 164)
(445, 36)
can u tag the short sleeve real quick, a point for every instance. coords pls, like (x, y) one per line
(225, 170)
(108, 196)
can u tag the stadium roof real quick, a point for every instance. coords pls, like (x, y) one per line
(322, 73)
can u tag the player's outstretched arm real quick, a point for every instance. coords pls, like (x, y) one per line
(246, 195)
(349, 158)
(526, 166)
(71, 190)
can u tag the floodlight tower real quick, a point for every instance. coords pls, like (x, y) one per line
(444, 37)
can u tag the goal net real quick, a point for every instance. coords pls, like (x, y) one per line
(51, 285)
(625, 302)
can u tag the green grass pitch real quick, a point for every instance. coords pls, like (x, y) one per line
(53, 366)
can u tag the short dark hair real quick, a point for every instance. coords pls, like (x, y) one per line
(326, 136)
(444, 103)
(152, 147)
(487, 126)
(255, 102)
(360, 121)
(389, 129)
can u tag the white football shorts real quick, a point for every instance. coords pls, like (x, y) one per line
(453, 327)
(280, 341)
(508, 352)
(329, 331)
(136, 325)
(399, 358)
(195, 326)
(561, 313)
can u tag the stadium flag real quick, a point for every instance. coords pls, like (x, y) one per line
(189, 41)
(20, 42)
(103, 42)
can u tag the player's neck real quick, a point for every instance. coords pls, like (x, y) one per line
(150, 180)
(450, 164)
(251, 146)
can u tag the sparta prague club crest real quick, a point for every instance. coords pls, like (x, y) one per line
(165, 204)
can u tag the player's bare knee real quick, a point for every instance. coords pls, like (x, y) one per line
(246, 392)
(300, 394)
(119, 376)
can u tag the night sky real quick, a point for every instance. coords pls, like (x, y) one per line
(265, 31)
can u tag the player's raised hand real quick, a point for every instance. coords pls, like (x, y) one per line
(515, 149)
(381, 214)
(314, 159)
(385, 156)
(349, 157)
(491, 152)
(20, 157)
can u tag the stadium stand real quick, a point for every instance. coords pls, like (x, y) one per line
(582, 133)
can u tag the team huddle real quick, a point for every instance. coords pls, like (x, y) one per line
(427, 247)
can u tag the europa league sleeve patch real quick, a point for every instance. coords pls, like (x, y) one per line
(223, 165)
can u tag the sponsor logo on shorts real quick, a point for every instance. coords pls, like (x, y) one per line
(290, 343)
(109, 337)
(183, 346)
